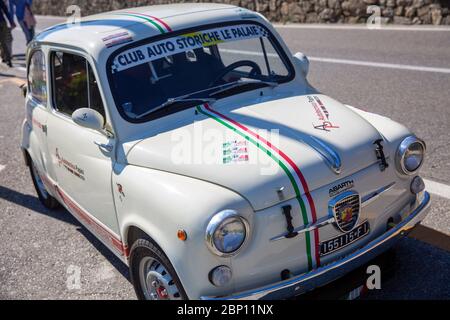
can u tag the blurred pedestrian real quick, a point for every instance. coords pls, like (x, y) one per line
(25, 17)
(5, 33)
(9, 37)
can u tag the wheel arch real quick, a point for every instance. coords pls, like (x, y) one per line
(133, 233)
(133, 230)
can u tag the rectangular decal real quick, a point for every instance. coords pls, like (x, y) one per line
(167, 47)
(235, 151)
(116, 39)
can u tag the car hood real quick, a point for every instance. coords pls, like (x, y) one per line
(267, 152)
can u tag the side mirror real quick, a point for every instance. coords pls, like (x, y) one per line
(88, 118)
(302, 62)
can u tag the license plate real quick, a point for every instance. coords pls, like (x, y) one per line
(345, 239)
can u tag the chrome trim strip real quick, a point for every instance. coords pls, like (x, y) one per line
(326, 274)
(305, 228)
(369, 198)
(331, 157)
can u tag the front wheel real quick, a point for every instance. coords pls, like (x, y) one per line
(152, 274)
(44, 197)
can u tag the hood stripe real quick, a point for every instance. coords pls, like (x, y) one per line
(156, 25)
(216, 116)
(160, 21)
(284, 156)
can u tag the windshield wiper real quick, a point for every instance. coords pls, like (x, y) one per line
(223, 88)
(241, 82)
(171, 101)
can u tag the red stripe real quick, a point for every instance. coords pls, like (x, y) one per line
(107, 235)
(100, 230)
(48, 183)
(292, 164)
(154, 18)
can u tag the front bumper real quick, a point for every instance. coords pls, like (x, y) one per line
(328, 273)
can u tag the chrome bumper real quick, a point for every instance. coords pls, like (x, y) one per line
(326, 274)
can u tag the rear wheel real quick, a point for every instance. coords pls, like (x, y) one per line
(44, 197)
(152, 274)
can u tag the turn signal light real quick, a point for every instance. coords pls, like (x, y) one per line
(181, 234)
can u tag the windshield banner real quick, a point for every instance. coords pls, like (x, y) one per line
(167, 47)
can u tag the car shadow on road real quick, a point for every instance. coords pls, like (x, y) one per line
(116, 262)
(32, 203)
(7, 75)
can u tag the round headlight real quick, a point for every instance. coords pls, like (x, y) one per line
(410, 155)
(226, 232)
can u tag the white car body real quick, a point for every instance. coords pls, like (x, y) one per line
(126, 180)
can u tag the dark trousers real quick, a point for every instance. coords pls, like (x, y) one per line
(5, 39)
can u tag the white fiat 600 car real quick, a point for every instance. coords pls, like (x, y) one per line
(188, 140)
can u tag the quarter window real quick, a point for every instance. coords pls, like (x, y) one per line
(37, 79)
(74, 84)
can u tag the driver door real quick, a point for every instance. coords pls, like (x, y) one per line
(82, 158)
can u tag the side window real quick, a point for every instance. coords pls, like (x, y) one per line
(37, 78)
(74, 84)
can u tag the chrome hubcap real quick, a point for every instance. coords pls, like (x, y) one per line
(40, 184)
(156, 281)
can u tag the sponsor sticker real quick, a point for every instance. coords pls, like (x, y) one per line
(120, 191)
(116, 39)
(70, 167)
(323, 116)
(235, 151)
(170, 46)
(39, 125)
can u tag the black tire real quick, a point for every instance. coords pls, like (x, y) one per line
(44, 197)
(144, 249)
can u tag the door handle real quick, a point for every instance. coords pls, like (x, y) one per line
(106, 147)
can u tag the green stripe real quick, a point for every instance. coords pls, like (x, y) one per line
(286, 170)
(145, 18)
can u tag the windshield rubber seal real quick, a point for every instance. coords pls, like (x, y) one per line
(173, 109)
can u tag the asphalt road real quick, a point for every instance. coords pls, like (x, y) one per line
(44, 251)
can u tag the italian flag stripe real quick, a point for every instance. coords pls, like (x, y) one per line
(160, 21)
(247, 133)
(153, 21)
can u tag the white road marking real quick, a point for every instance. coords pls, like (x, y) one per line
(2, 167)
(436, 188)
(361, 27)
(354, 62)
(381, 65)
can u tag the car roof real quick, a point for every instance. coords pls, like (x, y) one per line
(103, 33)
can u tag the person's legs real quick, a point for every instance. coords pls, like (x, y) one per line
(26, 31)
(6, 55)
(32, 32)
(9, 41)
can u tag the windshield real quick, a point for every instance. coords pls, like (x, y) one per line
(173, 73)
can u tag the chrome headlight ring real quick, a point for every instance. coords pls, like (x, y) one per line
(404, 148)
(220, 220)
